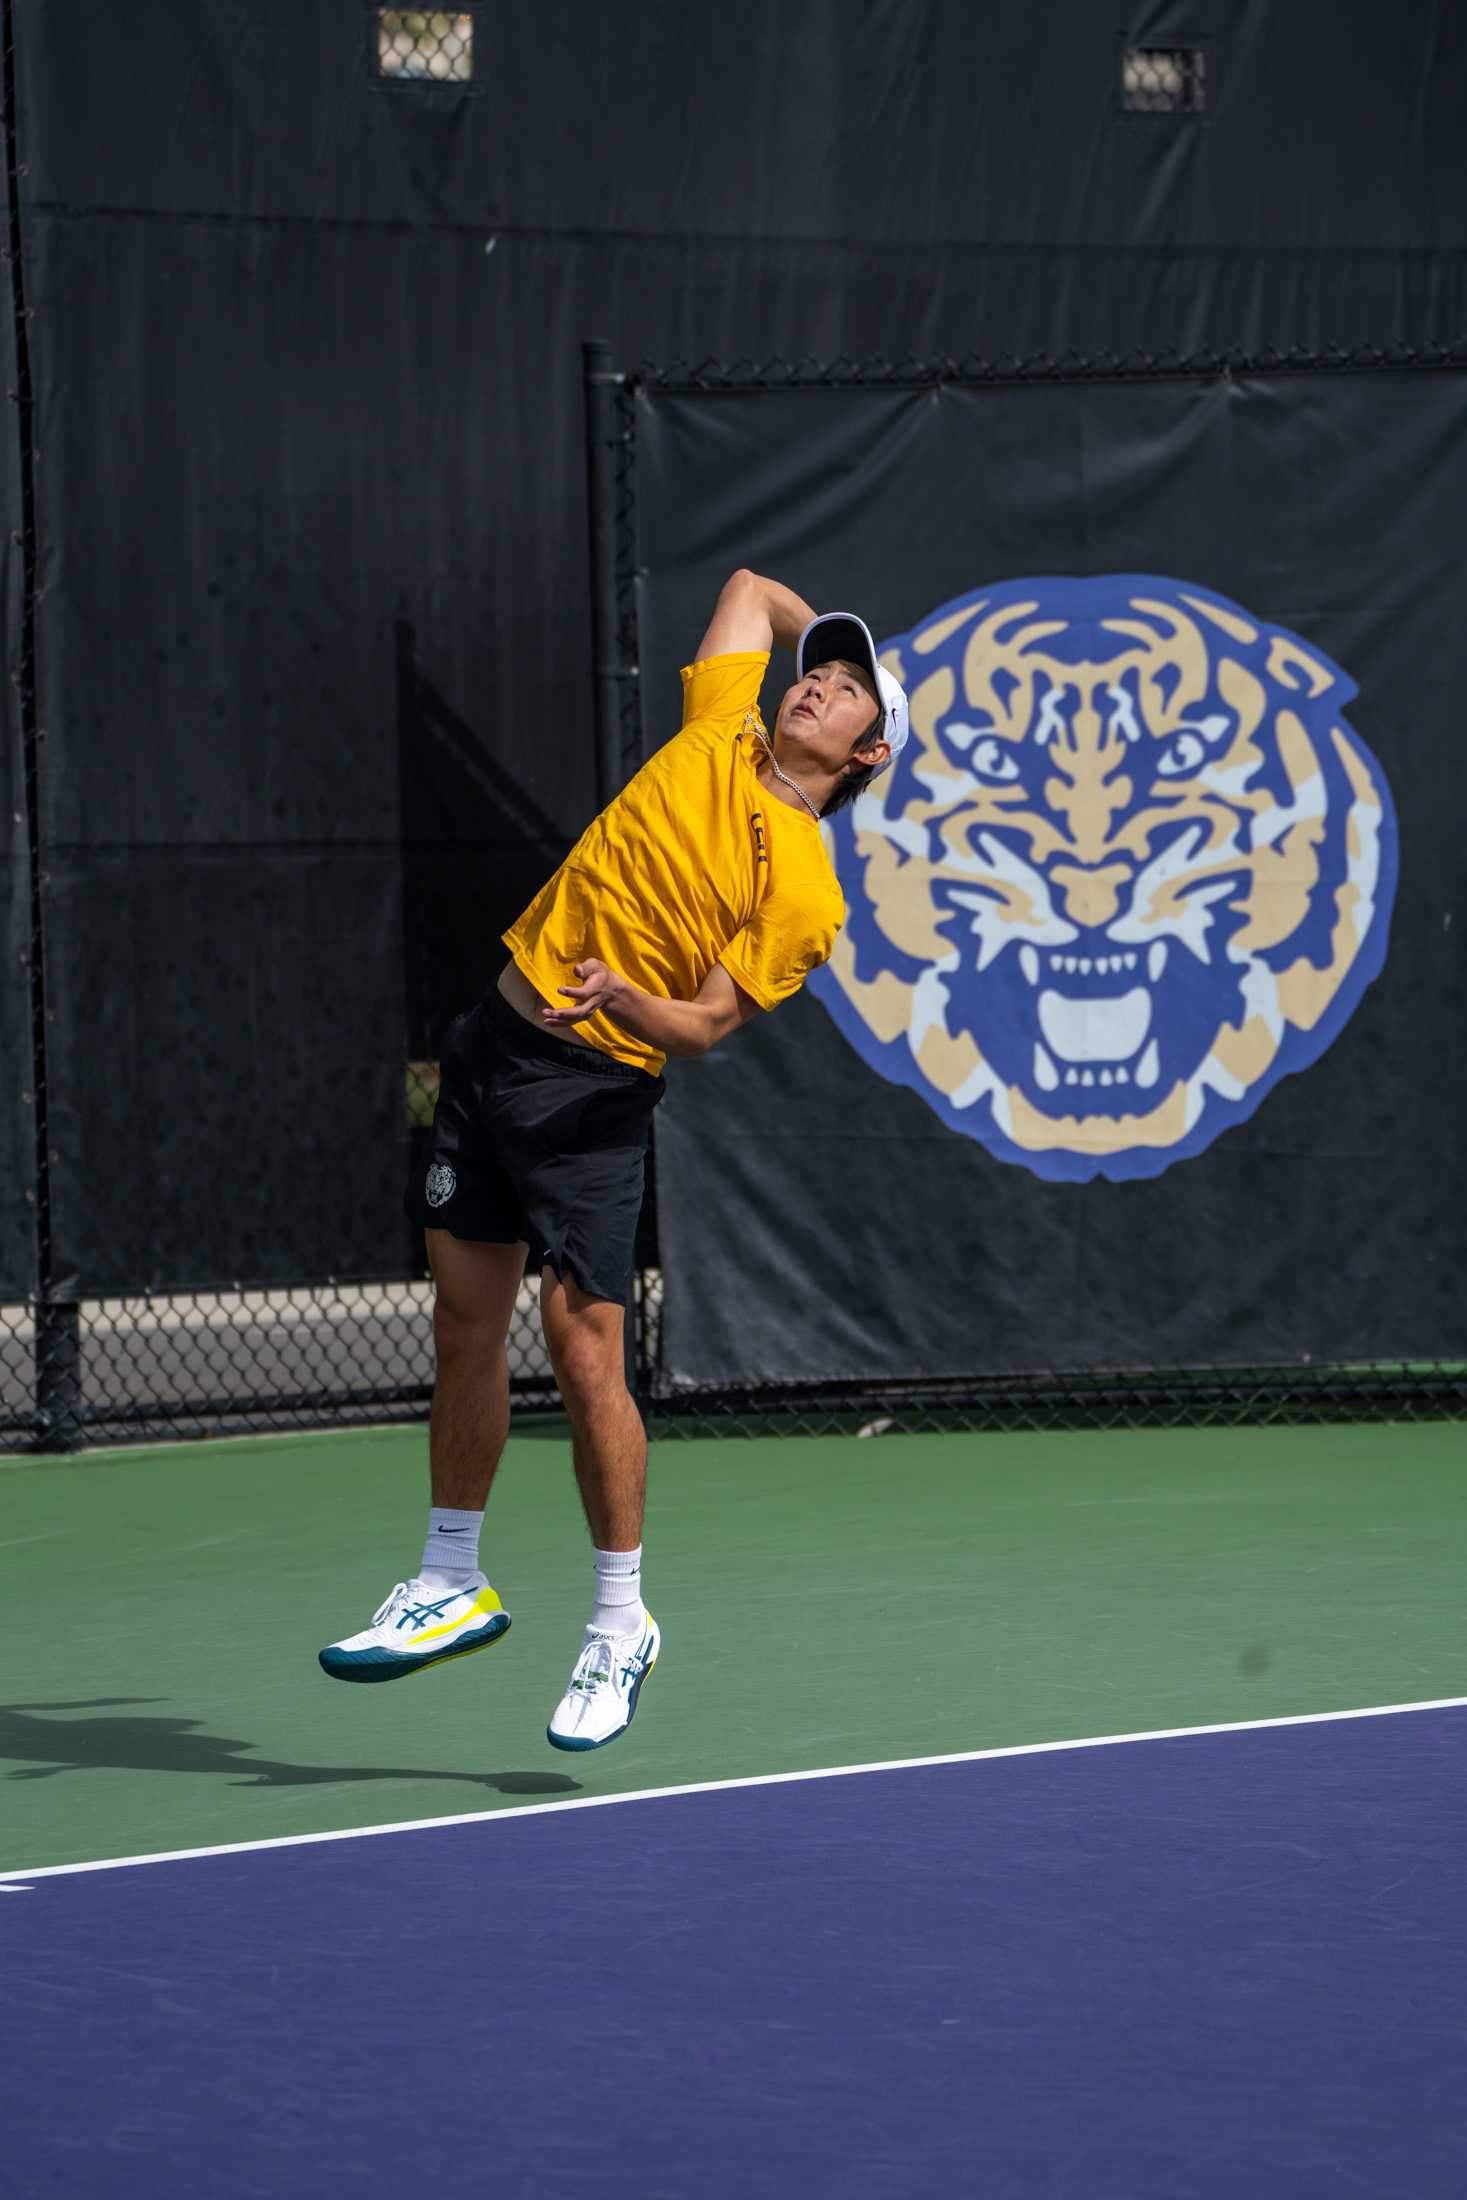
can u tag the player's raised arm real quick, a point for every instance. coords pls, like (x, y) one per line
(753, 613)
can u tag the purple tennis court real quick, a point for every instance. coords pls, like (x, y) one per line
(1209, 1964)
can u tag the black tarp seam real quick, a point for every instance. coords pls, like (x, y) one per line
(749, 240)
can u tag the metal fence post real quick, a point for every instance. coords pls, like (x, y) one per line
(605, 455)
(603, 431)
(58, 1374)
(57, 1392)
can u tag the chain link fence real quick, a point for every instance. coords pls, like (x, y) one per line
(1164, 80)
(239, 1358)
(425, 45)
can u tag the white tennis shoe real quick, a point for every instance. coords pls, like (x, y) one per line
(416, 1628)
(601, 1700)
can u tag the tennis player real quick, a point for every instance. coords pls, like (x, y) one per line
(701, 896)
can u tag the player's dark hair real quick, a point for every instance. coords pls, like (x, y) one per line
(856, 783)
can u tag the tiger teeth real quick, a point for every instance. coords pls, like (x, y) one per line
(1083, 965)
(1075, 1076)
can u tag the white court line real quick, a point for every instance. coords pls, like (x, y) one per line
(721, 1787)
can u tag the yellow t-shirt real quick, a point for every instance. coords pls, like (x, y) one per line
(692, 864)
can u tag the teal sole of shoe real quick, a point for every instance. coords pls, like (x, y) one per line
(573, 1746)
(367, 1668)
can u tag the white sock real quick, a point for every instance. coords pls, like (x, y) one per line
(619, 1609)
(451, 1552)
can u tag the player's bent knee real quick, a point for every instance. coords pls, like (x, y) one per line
(475, 1329)
(587, 1399)
(590, 1369)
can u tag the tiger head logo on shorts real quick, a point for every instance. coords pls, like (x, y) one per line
(441, 1184)
(1132, 867)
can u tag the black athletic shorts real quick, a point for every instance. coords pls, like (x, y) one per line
(540, 1138)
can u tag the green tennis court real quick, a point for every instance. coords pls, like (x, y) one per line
(825, 1601)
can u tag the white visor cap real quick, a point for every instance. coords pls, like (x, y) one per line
(841, 634)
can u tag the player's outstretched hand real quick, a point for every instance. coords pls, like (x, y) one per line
(598, 990)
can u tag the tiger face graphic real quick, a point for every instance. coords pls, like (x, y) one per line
(1132, 868)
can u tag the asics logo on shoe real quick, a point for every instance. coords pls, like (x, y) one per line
(447, 1626)
(418, 1615)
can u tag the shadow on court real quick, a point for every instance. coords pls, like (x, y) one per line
(38, 1747)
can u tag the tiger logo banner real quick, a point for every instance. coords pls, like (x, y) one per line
(1132, 868)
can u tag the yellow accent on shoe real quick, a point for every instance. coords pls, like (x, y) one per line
(484, 1603)
(459, 1650)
